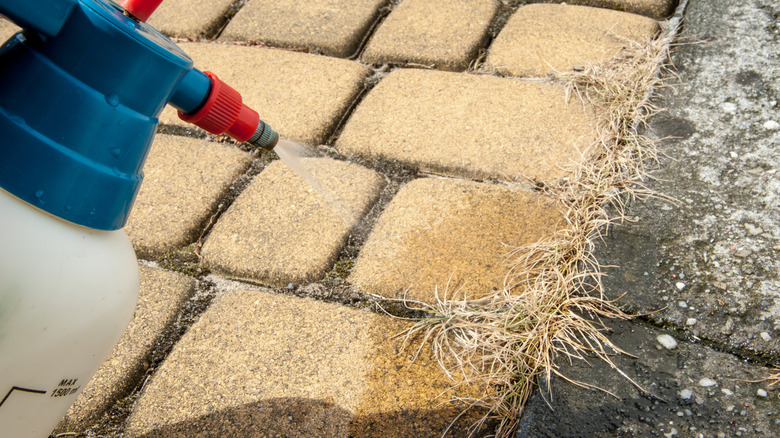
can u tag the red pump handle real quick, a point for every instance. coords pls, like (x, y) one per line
(140, 9)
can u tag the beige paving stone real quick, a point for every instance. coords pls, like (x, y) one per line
(161, 298)
(7, 29)
(330, 27)
(280, 230)
(301, 96)
(469, 125)
(445, 34)
(451, 235)
(658, 9)
(185, 180)
(543, 38)
(258, 364)
(191, 19)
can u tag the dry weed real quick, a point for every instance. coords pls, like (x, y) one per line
(552, 303)
(772, 379)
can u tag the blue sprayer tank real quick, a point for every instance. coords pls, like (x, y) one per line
(81, 90)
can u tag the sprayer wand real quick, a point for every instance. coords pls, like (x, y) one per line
(224, 112)
(221, 109)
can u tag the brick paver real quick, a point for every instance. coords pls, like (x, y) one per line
(191, 19)
(445, 34)
(449, 234)
(161, 298)
(260, 364)
(468, 125)
(331, 27)
(301, 96)
(7, 29)
(543, 38)
(185, 180)
(280, 230)
(658, 9)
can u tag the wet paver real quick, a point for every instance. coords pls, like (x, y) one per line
(450, 237)
(262, 364)
(443, 34)
(185, 181)
(303, 97)
(546, 38)
(330, 27)
(281, 230)
(161, 298)
(468, 125)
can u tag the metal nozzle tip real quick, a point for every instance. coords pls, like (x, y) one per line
(273, 141)
(264, 137)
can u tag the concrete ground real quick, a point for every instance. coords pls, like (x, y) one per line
(256, 315)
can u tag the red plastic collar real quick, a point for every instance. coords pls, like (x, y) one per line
(140, 9)
(224, 112)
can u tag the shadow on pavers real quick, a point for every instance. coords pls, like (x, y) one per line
(299, 417)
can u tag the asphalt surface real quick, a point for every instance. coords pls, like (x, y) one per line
(701, 265)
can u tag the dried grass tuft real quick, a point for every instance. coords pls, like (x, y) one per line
(774, 379)
(552, 304)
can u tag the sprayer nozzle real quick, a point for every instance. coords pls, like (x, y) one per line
(264, 137)
(224, 112)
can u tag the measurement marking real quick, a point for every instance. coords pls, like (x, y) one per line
(19, 388)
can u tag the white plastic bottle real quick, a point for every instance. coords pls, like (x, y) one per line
(66, 296)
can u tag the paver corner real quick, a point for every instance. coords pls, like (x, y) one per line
(540, 39)
(185, 180)
(450, 238)
(332, 27)
(191, 19)
(7, 29)
(280, 230)
(470, 126)
(656, 9)
(301, 96)
(439, 33)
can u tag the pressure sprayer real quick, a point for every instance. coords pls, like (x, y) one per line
(81, 89)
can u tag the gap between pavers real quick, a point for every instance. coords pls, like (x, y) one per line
(543, 38)
(281, 230)
(190, 19)
(162, 297)
(445, 34)
(301, 96)
(185, 180)
(258, 364)
(331, 27)
(469, 125)
(657, 9)
(450, 236)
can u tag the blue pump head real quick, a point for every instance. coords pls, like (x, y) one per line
(81, 90)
